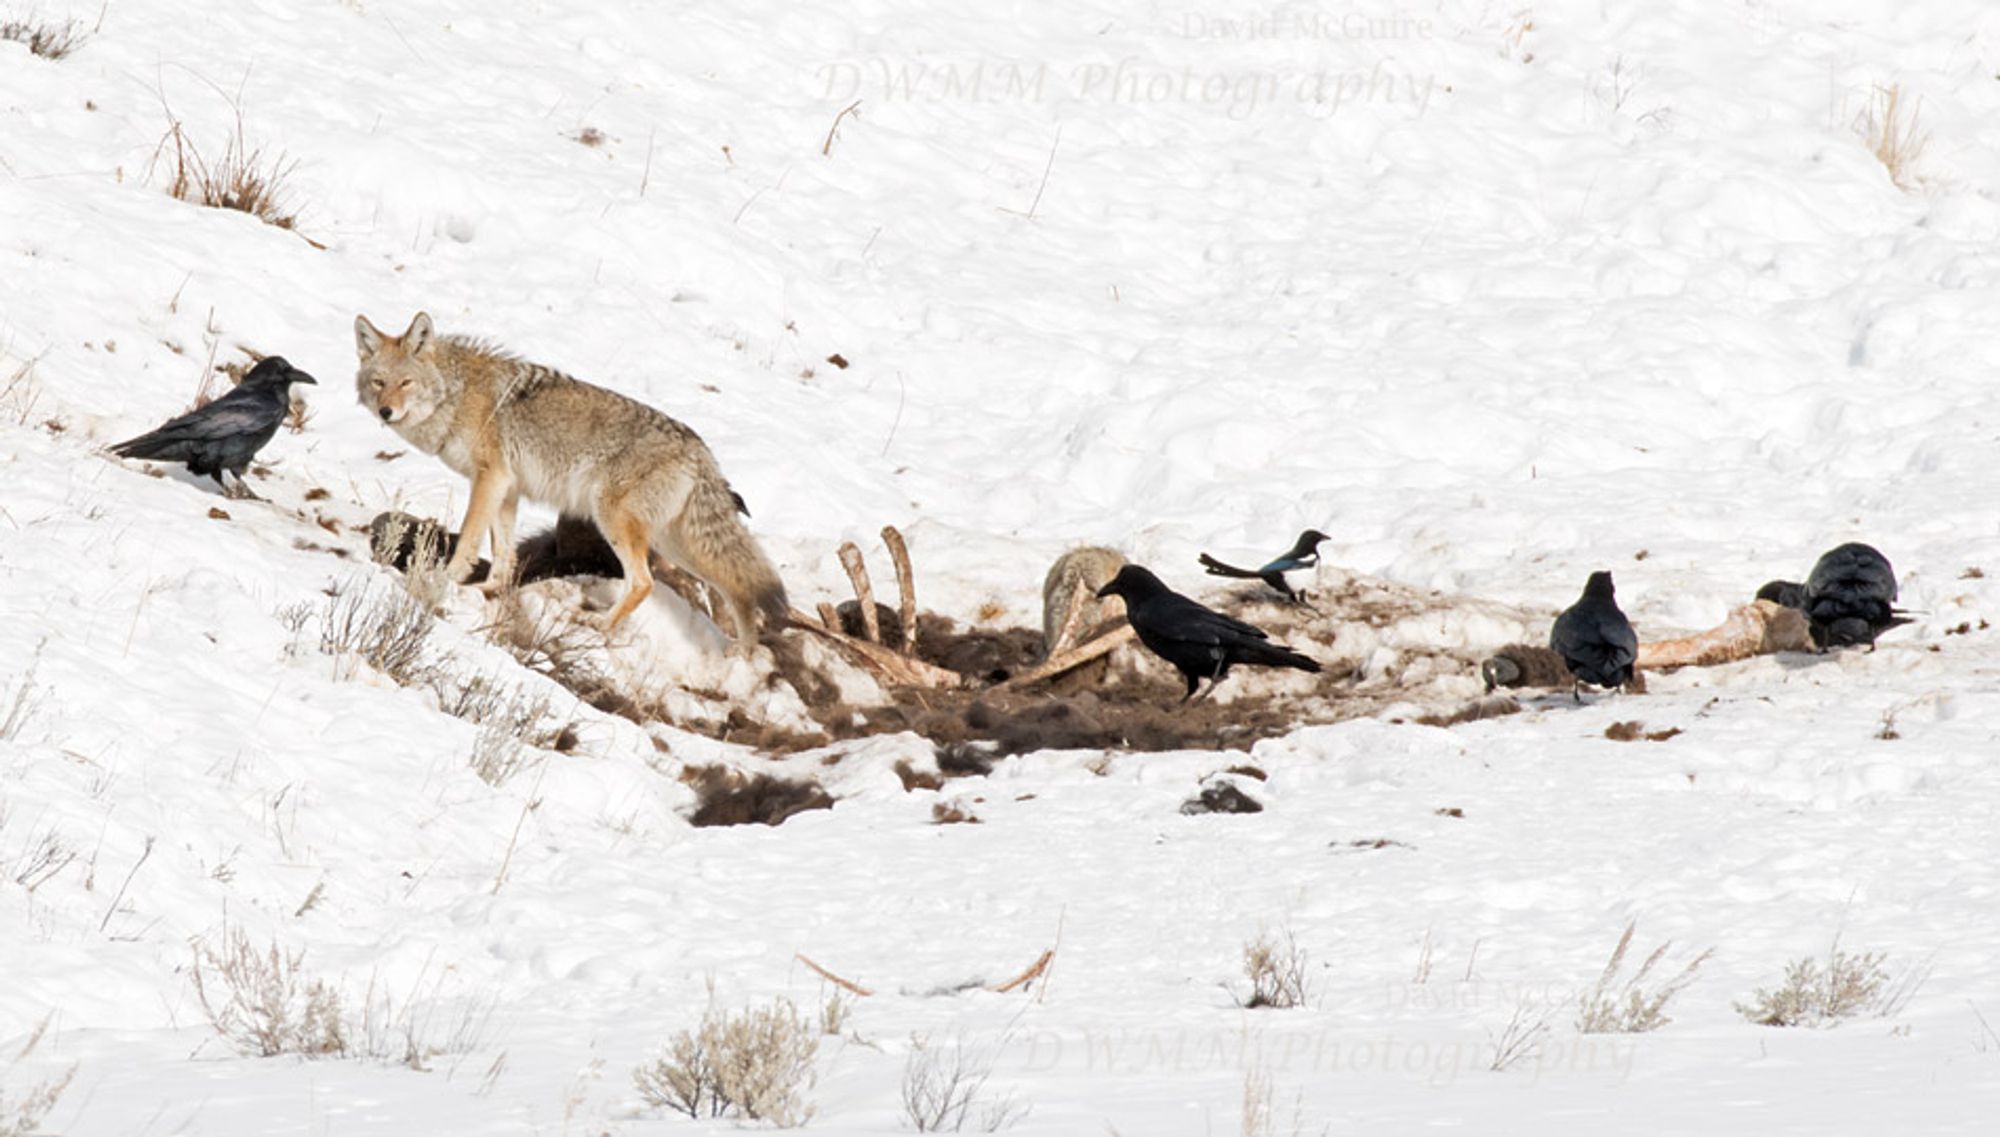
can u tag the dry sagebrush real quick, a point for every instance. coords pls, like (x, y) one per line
(264, 1002)
(1821, 994)
(1276, 969)
(756, 1064)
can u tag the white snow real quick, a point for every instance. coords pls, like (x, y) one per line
(1496, 295)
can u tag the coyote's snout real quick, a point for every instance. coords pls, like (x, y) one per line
(517, 428)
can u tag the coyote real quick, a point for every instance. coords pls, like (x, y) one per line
(1082, 570)
(516, 428)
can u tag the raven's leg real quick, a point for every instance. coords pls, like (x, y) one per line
(240, 491)
(1576, 689)
(1221, 669)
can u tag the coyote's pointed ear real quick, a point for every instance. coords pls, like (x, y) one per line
(421, 335)
(367, 338)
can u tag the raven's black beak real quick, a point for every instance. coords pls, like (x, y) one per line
(1110, 589)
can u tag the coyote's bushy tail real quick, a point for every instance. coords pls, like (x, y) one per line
(722, 552)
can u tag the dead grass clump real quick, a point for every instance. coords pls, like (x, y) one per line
(19, 393)
(732, 797)
(1277, 973)
(21, 703)
(1260, 1108)
(756, 1064)
(388, 630)
(1631, 1008)
(47, 39)
(241, 178)
(530, 718)
(22, 1116)
(944, 1091)
(423, 1028)
(263, 1002)
(1821, 994)
(1889, 127)
(498, 754)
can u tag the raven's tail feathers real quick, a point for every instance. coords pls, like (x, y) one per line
(1276, 655)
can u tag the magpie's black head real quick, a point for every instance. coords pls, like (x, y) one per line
(1310, 539)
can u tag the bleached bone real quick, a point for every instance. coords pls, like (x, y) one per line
(893, 668)
(906, 586)
(864, 593)
(1757, 628)
(1075, 657)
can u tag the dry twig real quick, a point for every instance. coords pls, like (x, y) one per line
(830, 977)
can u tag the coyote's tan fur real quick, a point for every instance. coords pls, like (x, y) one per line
(517, 428)
(1084, 570)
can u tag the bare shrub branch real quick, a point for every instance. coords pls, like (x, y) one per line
(944, 1091)
(1520, 1038)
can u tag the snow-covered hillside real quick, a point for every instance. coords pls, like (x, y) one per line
(1496, 295)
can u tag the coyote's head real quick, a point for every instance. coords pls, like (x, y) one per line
(398, 379)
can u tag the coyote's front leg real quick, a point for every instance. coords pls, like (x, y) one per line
(492, 487)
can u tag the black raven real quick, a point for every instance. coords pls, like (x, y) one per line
(1850, 597)
(1594, 637)
(227, 433)
(1784, 593)
(1304, 553)
(1199, 641)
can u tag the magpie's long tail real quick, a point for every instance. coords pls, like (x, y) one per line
(1217, 568)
